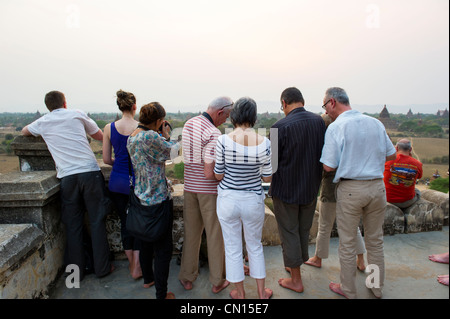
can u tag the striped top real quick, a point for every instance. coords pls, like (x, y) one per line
(299, 146)
(242, 165)
(199, 143)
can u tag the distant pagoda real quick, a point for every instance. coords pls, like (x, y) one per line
(409, 114)
(385, 118)
(442, 113)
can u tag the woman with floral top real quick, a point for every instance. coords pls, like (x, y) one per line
(149, 147)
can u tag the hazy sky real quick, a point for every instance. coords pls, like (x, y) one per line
(185, 53)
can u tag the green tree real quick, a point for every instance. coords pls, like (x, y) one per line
(179, 170)
(440, 184)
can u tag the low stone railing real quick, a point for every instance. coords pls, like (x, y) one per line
(32, 238)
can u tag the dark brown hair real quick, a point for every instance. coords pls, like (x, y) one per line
(292, 95)
(151, 112)
(54, 100)
(125, 100)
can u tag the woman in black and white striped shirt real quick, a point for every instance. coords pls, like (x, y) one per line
(242, 160)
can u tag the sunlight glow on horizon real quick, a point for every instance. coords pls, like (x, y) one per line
(185, 53)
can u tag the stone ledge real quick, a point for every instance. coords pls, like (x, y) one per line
(270, 235)
(33, 153)
(394, 220)
(30, 198)
(24, 189)
(440, 199)
(29, 261)
(17, 241)
(424, 216)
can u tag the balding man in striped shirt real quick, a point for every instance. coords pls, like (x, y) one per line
(200, 136)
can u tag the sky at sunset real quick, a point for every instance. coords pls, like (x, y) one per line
(185, 53)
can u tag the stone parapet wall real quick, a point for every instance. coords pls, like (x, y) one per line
(29, 261)
(440, 199)
(32, 237)
(33, 154)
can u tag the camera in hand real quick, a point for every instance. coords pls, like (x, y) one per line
(165, 124)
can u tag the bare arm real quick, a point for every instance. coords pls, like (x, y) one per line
(26, 132)
(328, 169)
(107, 147)
(391, 157)
(98, 136)
(209, 171)
(267, 179)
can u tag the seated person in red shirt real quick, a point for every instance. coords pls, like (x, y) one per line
(400, 176)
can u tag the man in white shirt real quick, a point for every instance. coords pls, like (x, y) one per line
(356, 147)
(82, 183)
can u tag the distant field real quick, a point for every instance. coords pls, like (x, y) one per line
(430, 147)
(8, 164)
(429, 169)
(424, 148)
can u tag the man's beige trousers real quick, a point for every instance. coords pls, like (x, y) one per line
(356, 199)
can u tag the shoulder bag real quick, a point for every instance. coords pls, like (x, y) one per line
(148, 223)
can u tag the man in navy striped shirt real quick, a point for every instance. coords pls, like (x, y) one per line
(296, 182)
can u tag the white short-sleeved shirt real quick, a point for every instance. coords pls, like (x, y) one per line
(357, 145)
(64, 132)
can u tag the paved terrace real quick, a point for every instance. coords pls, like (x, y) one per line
(409, 275)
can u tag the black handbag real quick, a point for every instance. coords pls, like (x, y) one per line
(148, 223)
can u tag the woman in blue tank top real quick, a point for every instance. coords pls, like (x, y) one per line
(115, 138)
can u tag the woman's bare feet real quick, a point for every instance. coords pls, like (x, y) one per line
(267, 294)
(439, 258)
(170, 295)
(149, 284)
(443, 279)
(135, 266)
(234, 294)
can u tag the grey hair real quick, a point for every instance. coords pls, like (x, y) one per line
(219, 103)
(404, 146)
(244, 112)
(338, 94)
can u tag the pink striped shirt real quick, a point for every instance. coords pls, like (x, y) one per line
(199, 144)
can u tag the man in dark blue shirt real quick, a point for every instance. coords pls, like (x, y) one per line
(295, 184)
